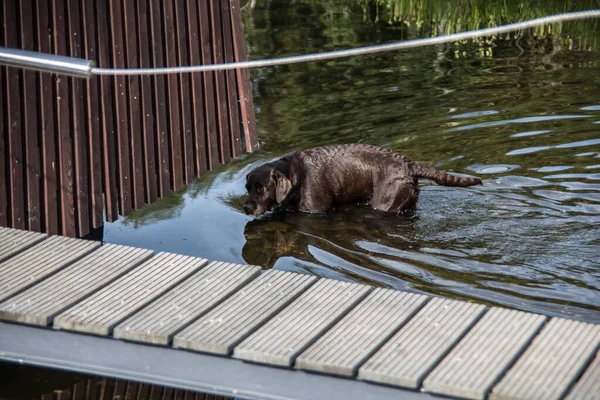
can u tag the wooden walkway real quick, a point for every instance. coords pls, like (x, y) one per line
(237, 330)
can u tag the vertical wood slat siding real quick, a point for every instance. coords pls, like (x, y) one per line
(72, 150)
(30, 121)
(78, 125)
(185, 93)
(118, 57)
(197, 95)
(160, 102)
(231, 87)
(108, 147)
(173, 94)
(220, 82)
(4, 179)
(14, 139)
(133, 94)
(243, 78)
(65, 137)
(92, 112)
(145, 48)
(209, 85)
(47, 125)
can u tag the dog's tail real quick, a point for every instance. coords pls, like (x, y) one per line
(440, 177)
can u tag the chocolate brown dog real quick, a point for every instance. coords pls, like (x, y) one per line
(318, 179)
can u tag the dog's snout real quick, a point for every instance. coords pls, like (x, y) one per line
(248, 208)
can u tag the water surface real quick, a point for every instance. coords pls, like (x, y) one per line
(520, 111)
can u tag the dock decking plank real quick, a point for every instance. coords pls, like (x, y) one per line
(551, 363)
(286, 335)
(13, 241)
(231, 322)
(359, 334)
(412, 352)
(40, 303)
(474, 365)
(106, 308)
(588, 386)
(160, 320)
(40, 261)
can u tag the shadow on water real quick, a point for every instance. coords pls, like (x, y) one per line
(522, 111)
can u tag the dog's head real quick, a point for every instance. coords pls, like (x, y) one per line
(267, 186)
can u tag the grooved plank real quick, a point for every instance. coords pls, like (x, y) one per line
(231, 322)
(40, 261)
(552, 361)
(103, 310)
(40, 303)
(411, 353)
(476, 363)
(350, 342)
(159, 321)
(284, 337)
(588, 387)
(13, 241)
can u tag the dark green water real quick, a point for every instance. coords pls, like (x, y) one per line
(521, 111)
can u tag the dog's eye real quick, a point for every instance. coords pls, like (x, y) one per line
(259, 188)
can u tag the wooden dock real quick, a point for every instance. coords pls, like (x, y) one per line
(240, 331)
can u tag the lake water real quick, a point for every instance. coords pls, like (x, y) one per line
(523, 113)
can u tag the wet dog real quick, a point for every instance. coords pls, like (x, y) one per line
(318, 179)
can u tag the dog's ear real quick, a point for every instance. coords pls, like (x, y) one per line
(284, 185)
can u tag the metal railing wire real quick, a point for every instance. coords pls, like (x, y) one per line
(84, 68)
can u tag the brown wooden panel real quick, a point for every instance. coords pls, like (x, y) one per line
(173, 95)
(243, 77)
(134, 116)
(14, 125)
(65, 139)
(120, 101)
(80, 134)
(220, 82)
(30, 122)
(181, 9)
(50, 209)
(160, 102)
(109, 157)
(148, 114)
(232, 94)
(209, 86)
(92, 113)
(197, 97)
(4, 209)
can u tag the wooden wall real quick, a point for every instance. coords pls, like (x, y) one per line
(74, 152)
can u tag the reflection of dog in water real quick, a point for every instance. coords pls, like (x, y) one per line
(340, 233)
(316, 180)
